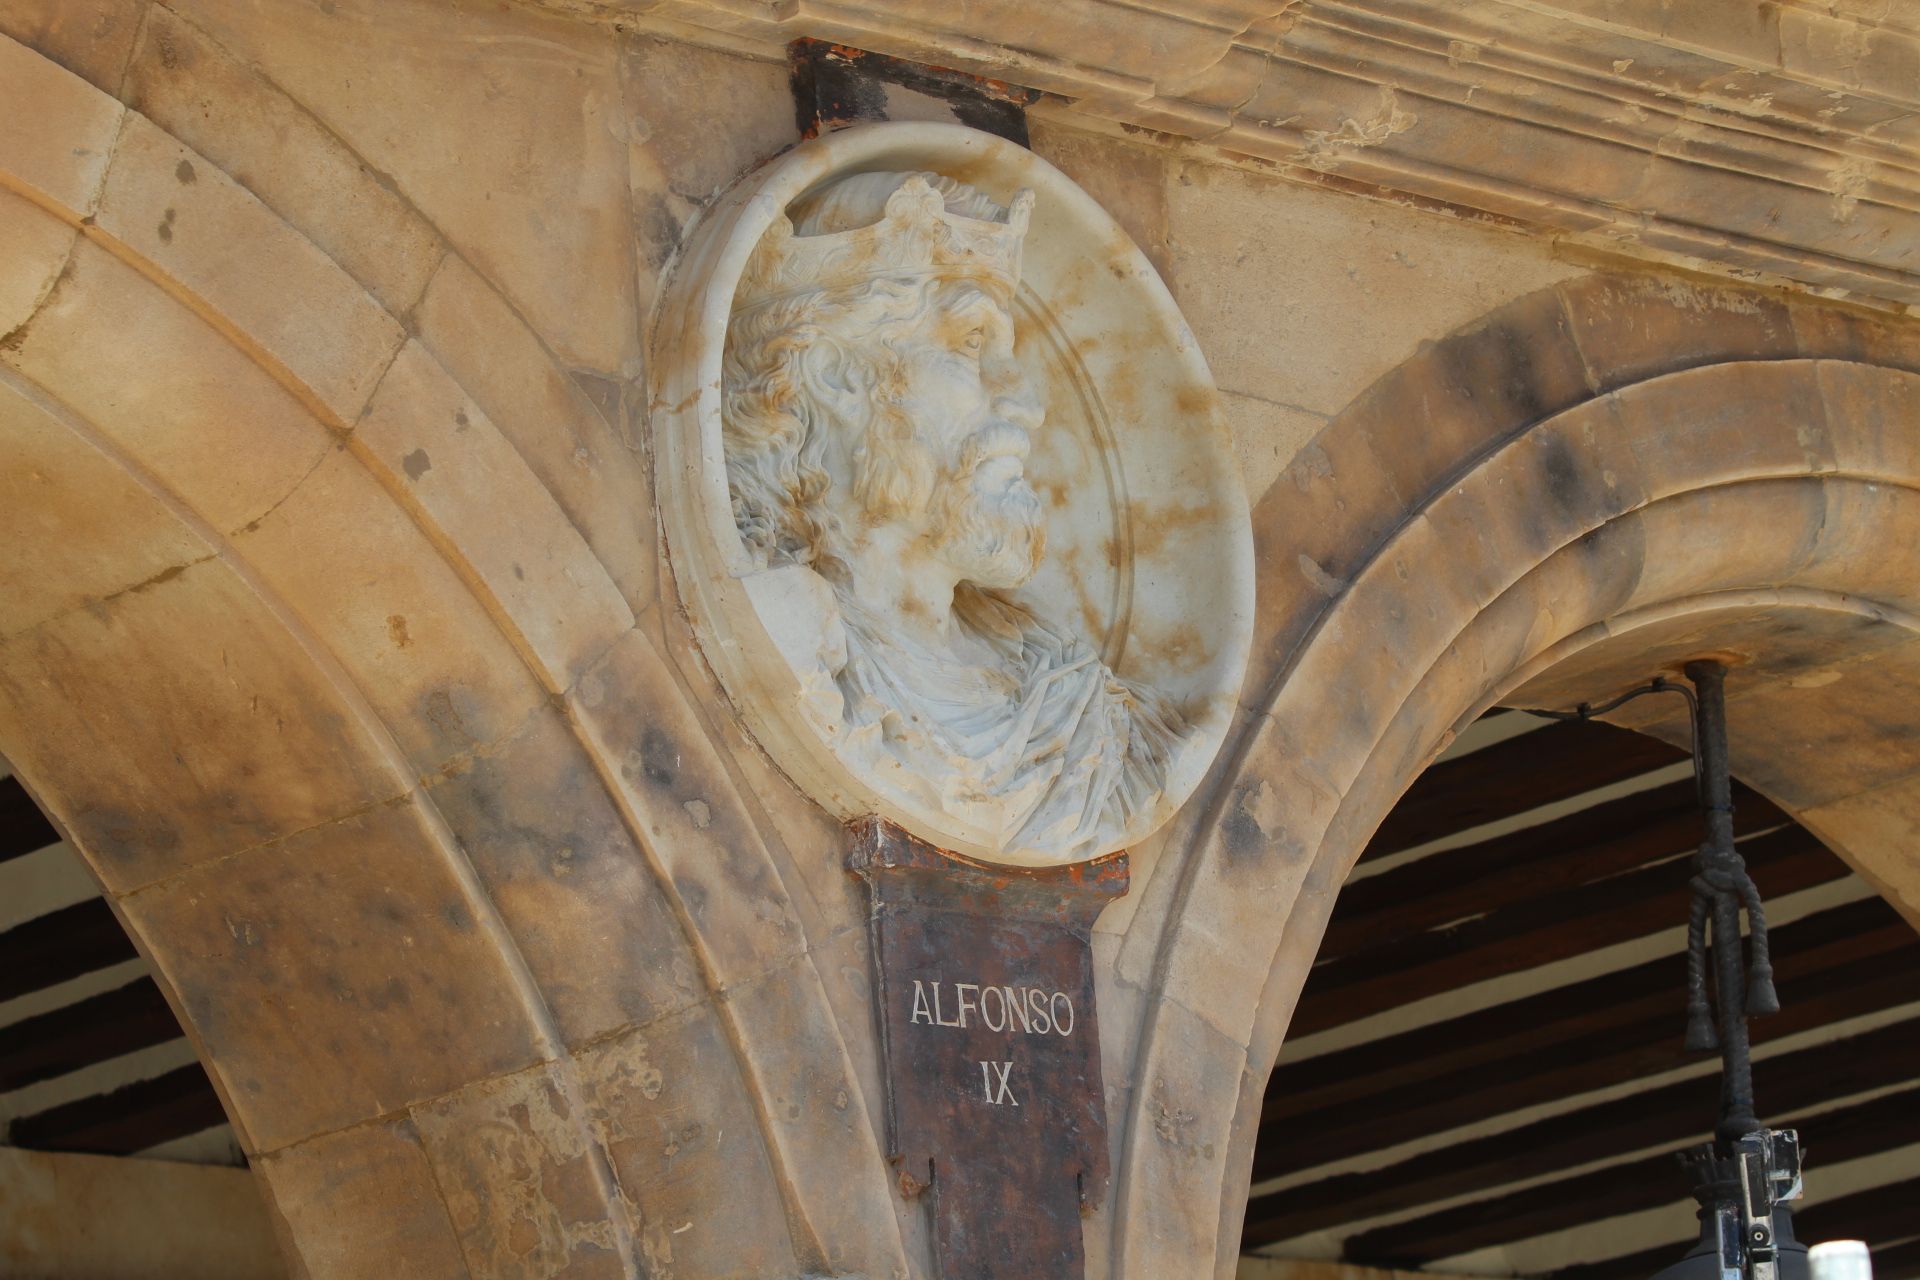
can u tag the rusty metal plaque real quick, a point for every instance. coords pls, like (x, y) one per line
(996, 1110)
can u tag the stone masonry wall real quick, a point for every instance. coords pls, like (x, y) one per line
(343, 646)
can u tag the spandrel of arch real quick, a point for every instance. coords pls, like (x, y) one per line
(429, 843)
(1601, 465)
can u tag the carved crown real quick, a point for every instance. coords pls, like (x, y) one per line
(917, 234)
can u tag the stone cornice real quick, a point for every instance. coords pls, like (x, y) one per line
(1781, 139)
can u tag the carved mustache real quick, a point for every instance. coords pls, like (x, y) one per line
(997, 439)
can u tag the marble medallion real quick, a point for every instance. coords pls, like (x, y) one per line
(948, 495)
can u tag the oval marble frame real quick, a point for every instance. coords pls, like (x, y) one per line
(1181, 536)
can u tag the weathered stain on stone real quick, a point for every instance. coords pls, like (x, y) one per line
(553, 852)
(391, 994)
(526, 1185)
(1309, 467)
(174, 56)
(1153, 525)
(657, 228)
(125, 835)
(1240, 834)
(1172, 1123)
(1325, 147)
(658, 758)
(1184, 647)
(1265, 818)
(1322, 581)
(444, 715)
(678, 1121)
(694, 894)
(167, 574)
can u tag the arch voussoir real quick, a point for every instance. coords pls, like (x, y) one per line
(1673, 476)
(441, 601)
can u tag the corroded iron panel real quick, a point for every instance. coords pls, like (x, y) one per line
(996, 1110)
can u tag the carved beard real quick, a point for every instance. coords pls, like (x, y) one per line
(994, 535)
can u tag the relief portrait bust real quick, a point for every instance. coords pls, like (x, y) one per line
(902, 514)
(876, 423)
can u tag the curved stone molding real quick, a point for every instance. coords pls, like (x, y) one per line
(1778, 139)
(947, 492)
(1571, 501)
(437, 753)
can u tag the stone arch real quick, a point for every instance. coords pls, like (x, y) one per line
(383, 748)
(1594, 461)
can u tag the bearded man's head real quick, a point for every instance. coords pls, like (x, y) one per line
(869, 379)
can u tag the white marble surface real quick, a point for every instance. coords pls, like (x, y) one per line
(984, 564)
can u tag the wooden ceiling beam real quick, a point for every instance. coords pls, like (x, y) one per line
(1487, 1038)
(1632, 1266)
(1540, 767)
(141, 1115)
(97, 1029)
(1605, 840)
(1873, 966)
(1898, 1262)
(1674, 1114)
(1308, 1146)
(61, 945)
(23, 828)
(1527, 935)
(1882, 1214)
(1849, 1133)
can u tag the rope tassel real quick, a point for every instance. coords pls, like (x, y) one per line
(1762, 999)
(1720, 872)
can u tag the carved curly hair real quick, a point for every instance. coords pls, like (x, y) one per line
(798, 368)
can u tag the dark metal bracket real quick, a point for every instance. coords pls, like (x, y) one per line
(836, 85)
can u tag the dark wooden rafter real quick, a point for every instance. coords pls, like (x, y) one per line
(1855, 959)
(61, 945)
(1486, 1038)
(1525, 935)
(1882, 1213)
(1602, 840)
(1612, 872)
(1794, 1082)
(1898, 1261)
(141, 1115)
(1540, 767)
(23, 828)
(1629, 1266)
(57, 947)
(1848, 1133)
(124, 1020)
